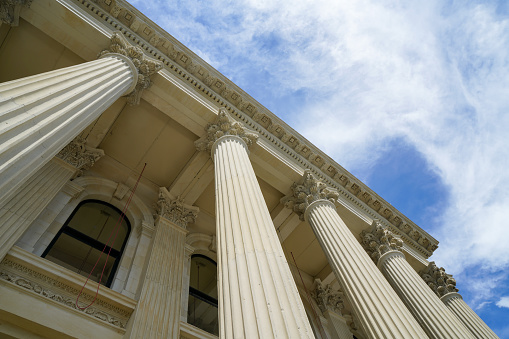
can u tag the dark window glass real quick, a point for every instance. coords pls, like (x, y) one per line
(202, 308)
(79, 243)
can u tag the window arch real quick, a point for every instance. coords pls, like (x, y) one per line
(82, 238)
(202, 309)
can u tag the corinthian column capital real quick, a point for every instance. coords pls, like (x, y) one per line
(307, 192)
(327, 299)
(379, 240)
(224, 126)
(79, 155)
(175, 210)
(144, 65)
(9, 11)
(440, 282)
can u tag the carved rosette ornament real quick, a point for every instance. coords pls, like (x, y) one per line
(307, 192)
(145, 65)
(327, 299)
(175, 210)
(223, 126)
(9, 11)
(79, 155)
(379, 240)
(440, 282)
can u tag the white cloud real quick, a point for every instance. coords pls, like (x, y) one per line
(503, 302)
(369, 72)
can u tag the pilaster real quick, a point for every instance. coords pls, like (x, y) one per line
(380, 312)
(158, 312)
(444, 286)
(258, 297)
(39, 190)
(10, 9)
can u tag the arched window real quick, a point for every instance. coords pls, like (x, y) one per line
(79, 243)
(202, 308)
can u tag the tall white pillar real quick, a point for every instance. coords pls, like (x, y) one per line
(380, 312)
(385, 250)
(40, 114)
(38, 191)
(157, 314)
(258, 297)
(444, 286)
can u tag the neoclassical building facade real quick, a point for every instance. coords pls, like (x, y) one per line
(145, 195)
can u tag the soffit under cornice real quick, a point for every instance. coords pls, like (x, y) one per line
(188, 67)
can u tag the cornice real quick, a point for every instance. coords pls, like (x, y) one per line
(191, 69)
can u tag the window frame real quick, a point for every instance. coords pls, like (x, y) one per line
(75, 234)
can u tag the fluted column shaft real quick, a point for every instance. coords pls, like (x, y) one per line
(30, 199)
(454, 301)
(380, 312)
(430, 312)
(258, 297)
(157, 314)
(40, 114)
(338, 328)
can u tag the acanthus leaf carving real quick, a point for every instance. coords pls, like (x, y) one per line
(440, 282)
(10, 9)
(327, 299)
(79, 155)
(379, 240)
(225, 125)
(175, 210)
(145, 65)
(308, 191)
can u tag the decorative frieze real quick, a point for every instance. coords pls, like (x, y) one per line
(327, 299)
(175, 210)
(79, 155)
(307, 192)
(223, 126)
(56, 290)
(440, 282)
(145, 65)
(9, 11)
(379, 240)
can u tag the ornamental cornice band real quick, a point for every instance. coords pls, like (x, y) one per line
(175, 210)
(327, 299)
(79, 155)
(308, 191)
(9, 11)
(440, 282)
(379, 240)
(145, 65)
(119, 15)
(223, 126)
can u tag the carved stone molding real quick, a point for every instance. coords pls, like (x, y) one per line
(145, 65)
(308, 191)
(175, 210)
(440, 282)
(9, 11)
(327, 299)
(118, 15)
(225, 125)
(379, 240)
(24, 277)
(79, 155)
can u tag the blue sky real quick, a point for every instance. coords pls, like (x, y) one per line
(412, 98)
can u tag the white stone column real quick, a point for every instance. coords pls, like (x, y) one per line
(385, 250)
(40, 114)
(380, 312)
(38, 191)
(331, 305)
(258, 297)
(157, 314)
(444, 286)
